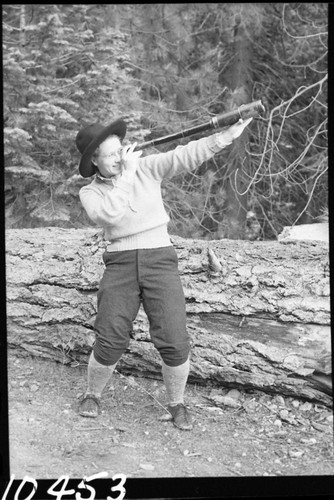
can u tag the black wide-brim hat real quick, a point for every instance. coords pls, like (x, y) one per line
(89, 138)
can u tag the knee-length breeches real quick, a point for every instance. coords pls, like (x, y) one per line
(149, 276)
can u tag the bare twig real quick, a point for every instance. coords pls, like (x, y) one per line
(143, 389)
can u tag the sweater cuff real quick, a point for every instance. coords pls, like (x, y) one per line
(220, 140)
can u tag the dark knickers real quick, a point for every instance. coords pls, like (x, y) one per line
(149, 276)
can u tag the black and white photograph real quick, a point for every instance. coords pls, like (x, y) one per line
(167, 267)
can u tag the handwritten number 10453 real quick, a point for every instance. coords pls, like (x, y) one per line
(58, 489)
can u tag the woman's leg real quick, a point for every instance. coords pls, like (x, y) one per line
(118, 302)
(164, 304)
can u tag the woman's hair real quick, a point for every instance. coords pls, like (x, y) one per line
(95, 155)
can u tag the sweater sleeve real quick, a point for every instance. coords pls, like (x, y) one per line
(108, 204)
(183, 158)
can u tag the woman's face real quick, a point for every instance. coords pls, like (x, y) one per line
(108, 156)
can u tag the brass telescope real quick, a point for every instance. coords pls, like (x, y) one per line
(243, 112)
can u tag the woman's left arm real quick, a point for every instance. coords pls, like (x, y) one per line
(186, 158)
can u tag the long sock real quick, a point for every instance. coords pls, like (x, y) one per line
(98, 376)
(175, 379)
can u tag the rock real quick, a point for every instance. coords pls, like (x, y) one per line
(284, 414)
(215, 392)
(234, 394)
(187, 453)
(286, 417)
(306, 406)
(308, 440)
(226, 401)
(280, 400)
(250, 405)
(213, 409)
(296, 453)
(147, 467)
(165, 417)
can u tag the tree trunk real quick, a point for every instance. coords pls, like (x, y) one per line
(258, 312)
(238, 79)
(22, 25)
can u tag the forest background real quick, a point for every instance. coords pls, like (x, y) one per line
(164, 68)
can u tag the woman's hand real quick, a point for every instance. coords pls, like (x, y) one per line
(130, 158)
(233, 132)
(237, 129)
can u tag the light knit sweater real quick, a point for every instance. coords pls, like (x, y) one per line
(129, 207)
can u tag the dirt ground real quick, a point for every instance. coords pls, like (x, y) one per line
(236, 433)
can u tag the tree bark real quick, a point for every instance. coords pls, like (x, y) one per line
(238, 79)
(258, 312)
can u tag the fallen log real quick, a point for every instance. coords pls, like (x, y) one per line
(258, 312)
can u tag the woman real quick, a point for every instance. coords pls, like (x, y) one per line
(141, 264)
